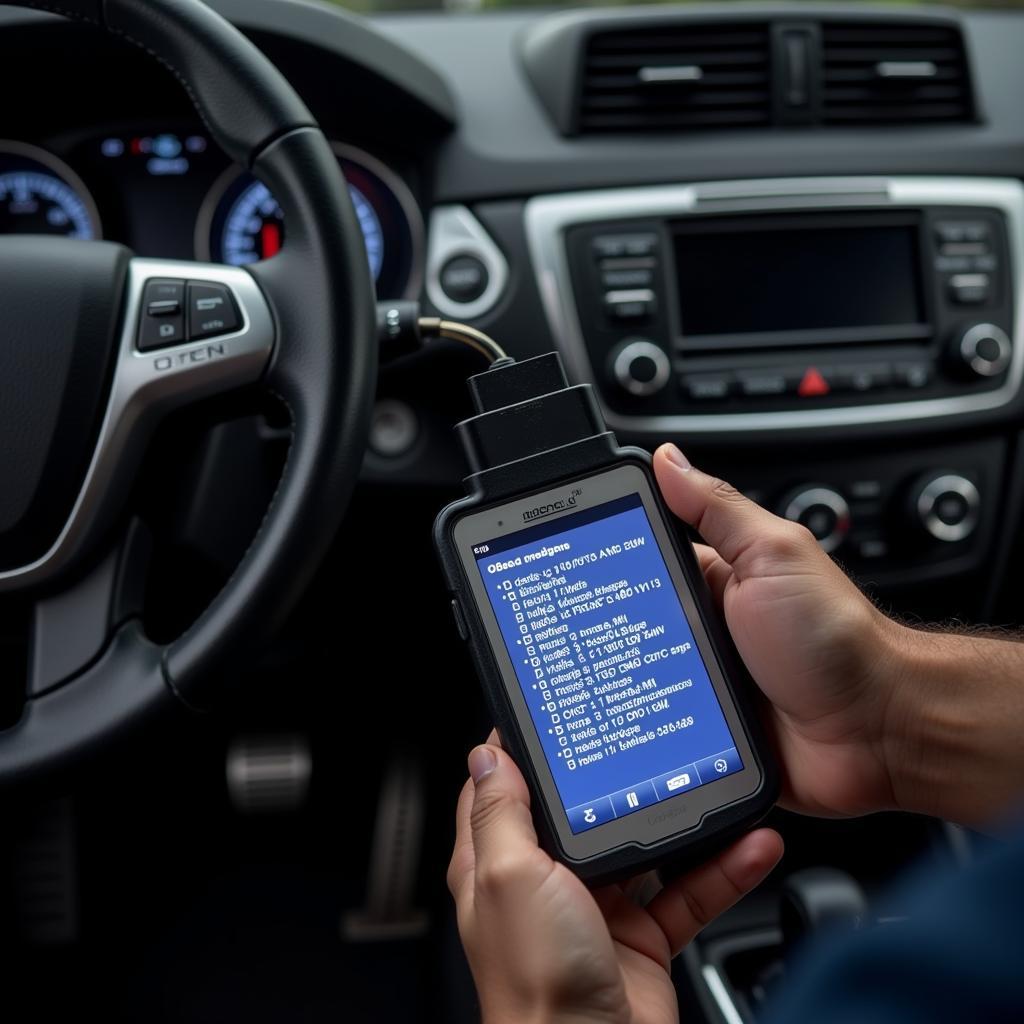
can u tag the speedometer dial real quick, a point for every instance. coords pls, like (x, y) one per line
(254, 228)
(241, 222)
(39, 194)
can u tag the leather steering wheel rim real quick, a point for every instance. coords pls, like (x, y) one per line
(322, 367)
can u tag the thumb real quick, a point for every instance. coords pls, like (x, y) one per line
(499, 820)
(750, 538)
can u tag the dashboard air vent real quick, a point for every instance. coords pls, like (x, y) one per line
(893, 73)
(676, 77)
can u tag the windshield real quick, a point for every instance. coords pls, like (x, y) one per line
(377, 6)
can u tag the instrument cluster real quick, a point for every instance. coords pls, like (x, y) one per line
(173, 195)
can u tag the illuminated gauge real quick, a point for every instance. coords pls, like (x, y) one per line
(41, 195)
(240, 222)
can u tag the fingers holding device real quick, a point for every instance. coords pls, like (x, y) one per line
(542, 945)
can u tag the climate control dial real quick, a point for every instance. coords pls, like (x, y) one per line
(947, 506)
(822, 510)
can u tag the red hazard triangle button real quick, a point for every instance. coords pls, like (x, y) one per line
(812, 384)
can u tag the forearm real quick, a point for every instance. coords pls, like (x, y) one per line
(955, 725)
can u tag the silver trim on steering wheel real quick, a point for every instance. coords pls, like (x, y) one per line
(145, 386)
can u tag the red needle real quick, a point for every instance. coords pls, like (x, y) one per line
(270, 239)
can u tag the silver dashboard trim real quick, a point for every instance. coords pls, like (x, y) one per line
(145, 386)
(548, 217)
(454, 231)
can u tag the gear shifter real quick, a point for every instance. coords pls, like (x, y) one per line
(817, 898)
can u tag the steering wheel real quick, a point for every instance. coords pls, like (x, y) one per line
(98, 345)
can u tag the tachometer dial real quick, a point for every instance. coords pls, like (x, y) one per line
(241, 222)
(39, 194)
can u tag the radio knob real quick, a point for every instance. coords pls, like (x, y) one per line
(823, 511)
(947, 506)
(983, 350)
(641, 367)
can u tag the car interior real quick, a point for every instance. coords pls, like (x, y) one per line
(234, 706)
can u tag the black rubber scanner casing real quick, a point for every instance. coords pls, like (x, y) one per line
(533, 431)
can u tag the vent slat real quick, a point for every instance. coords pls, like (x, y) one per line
(854, 92)
(732, 87)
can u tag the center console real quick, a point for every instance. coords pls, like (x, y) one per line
(803, 310)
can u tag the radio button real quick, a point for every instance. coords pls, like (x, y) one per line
(631, 304)
(628, 277)
(861, 377)
(954, 264)
(707, 387)
(912, 375)
(970, 289)
(765, 383)
(955, 232)
(616, 246)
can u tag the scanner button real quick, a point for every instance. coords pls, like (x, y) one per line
(627, 801)
(590, 815)
(673, 783)
(719, 765)
(460, 621)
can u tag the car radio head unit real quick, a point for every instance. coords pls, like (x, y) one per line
(815, 279)
(761, 305)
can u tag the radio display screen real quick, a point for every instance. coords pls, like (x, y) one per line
(775, 274)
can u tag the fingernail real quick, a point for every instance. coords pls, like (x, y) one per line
(481, 762)
(676, 457)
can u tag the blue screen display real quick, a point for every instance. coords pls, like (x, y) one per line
(606, 659)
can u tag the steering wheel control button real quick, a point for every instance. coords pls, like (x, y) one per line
(823, 511)
(211, 310)
(719, 765)
(983, 351)
(947, 507)
(590, 815)
(163, 321)
(641, 367)
(464, 278)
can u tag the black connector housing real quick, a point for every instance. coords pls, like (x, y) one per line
(524, 409)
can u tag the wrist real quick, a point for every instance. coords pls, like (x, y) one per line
(953, 716)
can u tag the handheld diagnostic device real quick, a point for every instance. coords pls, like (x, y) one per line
(612, 680)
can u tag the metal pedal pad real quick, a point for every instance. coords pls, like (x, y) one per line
(268, 774)
(389, 913)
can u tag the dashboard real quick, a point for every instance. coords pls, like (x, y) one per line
(805, 268)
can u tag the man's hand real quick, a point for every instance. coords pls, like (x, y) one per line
(544, 948)
(867, 714)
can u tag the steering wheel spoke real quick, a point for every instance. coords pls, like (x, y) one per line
(220, 337)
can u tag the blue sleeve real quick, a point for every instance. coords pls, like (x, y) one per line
(958, 957)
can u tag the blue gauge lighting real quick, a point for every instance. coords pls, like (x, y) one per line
(35, 202)
(254, 228)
